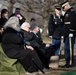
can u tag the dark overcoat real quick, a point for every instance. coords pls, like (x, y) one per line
(69, 22)
(55, 26)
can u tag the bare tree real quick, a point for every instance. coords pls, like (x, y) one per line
(39, 7)
(10, 6)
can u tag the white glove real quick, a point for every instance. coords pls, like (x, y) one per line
(70, 35)
(47, 45)
(41, 30)
(50, 36)
(62, 37)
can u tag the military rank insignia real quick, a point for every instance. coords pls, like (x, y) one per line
(67, 22)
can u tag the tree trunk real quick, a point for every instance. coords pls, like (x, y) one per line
(10, 7)
(45, 28)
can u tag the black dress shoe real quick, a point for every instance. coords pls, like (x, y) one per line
(71, 65)
(67, 66)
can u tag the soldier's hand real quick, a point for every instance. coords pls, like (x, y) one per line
(47, 45)
(70, 35)
(50, 37)
(62, 37)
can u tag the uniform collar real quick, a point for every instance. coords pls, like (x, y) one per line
(58, 15)
(69, 9)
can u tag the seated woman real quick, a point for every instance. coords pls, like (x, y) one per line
(43, 50)
(14, 46)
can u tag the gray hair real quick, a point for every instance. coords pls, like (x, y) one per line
(12, 22)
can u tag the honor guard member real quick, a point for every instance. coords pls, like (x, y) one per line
(55, 27)
(69, 29)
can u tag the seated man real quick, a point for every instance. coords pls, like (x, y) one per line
(32, 22)
(43, 50)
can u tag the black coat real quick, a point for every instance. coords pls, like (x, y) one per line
(55, 26)
(12, 43)
(27, 35)
(69, 22)
(29, 38)
(38, 39)
(2, 22)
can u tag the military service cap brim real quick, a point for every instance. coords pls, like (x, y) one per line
(57, 6)
(64, 3)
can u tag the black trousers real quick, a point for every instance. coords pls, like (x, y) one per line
(44, 55)
(25, 57)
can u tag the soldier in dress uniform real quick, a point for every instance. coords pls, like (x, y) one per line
(55, 27)
(67, 30)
